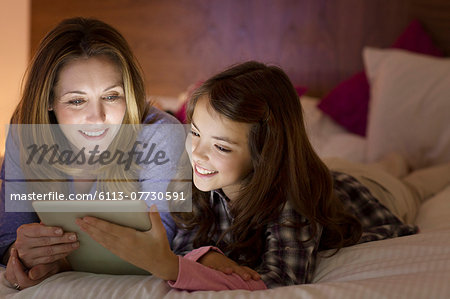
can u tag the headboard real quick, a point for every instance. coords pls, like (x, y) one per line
(317, 42)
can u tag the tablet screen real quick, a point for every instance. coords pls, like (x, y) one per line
(91, 256)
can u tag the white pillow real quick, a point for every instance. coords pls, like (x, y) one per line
(409, 107)
(327, 137)
(435, 212)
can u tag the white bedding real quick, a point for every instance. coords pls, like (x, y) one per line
(416, 266)
(410, 267)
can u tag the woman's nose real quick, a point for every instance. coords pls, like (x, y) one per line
(96, 114)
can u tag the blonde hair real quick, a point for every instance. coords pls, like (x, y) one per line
(72, 39)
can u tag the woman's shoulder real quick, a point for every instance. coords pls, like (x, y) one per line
(156, 116)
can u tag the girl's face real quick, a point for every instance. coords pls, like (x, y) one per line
(89, 102)
(220, 153)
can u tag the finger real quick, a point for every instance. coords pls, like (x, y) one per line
(19, 270)
(10, 275)
(43, 270)
(46, 254)
(241, 271)
(47, 241)
(155, 218)
(226, 270)
(55, 256)
(254, 275)
(34, 230)
(107, 238)
(100, 225)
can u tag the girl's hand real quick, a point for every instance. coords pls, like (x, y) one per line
(220, 262)
(148, 250)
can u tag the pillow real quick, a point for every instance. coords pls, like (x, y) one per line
(348, 102)
(410, 106)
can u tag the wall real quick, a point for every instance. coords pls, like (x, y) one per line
(14, 53)
(317, 42)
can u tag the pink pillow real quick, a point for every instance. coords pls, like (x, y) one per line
(348, 102)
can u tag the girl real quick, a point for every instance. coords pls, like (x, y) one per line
(84, 89)
(263, 199)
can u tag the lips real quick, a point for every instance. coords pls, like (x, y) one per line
(93, 134)
(203, 171)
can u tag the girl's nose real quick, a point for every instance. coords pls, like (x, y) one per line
(199, 151)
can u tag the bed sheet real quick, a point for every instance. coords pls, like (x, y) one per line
(408, 267)
(416, 266)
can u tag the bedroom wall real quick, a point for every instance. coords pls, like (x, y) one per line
(14, 51)
(318, 42)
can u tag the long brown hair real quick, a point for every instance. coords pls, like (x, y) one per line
(285, 166)
(73, 39)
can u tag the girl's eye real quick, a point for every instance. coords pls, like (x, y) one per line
(195, 134)
(222, 149)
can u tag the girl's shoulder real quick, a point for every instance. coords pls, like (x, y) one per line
(345, 183)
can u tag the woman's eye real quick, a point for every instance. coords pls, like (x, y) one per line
(222, 149)
(76, 102)
(111, 98)
(195, 134)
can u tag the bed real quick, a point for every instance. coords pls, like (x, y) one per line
(399, 102)
(416, 266)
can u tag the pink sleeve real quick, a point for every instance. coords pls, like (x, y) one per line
(194, 276)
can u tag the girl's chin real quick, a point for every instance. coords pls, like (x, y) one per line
(202, 187)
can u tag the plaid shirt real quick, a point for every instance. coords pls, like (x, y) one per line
(290, 253)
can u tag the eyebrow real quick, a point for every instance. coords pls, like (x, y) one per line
(226, 139)
(82, 92)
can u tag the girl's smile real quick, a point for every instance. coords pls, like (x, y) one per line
(220, 152)
(203, 171)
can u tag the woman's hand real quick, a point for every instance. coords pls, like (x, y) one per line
(148, 250)
(220, 262)
(38, 252)
(20, 278)
(40, 244)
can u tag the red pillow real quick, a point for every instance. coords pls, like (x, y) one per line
(348, 102)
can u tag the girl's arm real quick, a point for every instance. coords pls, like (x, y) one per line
(207, 279)
(151, 251)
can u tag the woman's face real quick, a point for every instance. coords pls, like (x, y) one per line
(89, 102)
(220, 153)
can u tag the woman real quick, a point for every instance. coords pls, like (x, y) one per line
(83, 97)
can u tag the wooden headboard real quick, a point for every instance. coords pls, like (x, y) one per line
(317, 42)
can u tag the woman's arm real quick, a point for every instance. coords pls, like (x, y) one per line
(40, 249)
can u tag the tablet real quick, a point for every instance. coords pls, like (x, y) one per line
(91, 256)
